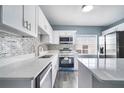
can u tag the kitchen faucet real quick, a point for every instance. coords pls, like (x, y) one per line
(37, 53)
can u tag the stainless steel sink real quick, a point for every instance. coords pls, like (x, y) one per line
(46, 56)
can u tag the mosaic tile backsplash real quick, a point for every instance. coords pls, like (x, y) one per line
(11, 45)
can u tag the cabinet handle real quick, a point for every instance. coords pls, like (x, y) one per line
(29, 26)
(26, 24)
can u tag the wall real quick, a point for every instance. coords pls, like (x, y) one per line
(80, 29)
(113, 24)
(11, 45)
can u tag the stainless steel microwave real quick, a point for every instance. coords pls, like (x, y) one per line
(66, 40)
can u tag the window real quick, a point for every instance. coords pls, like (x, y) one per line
(86, 44)
(85, 49)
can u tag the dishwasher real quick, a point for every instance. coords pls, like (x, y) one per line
(44, 79)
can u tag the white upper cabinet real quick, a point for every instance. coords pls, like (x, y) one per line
(41, 21)
(12, 16)
(29, 19)
(44, 27)
(18, 19)
(55, 37)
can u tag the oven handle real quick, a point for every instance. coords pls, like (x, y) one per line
(42, 80)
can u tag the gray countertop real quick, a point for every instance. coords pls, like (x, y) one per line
(109, 69)
(26, 69)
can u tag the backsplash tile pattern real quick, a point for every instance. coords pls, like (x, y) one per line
(14, 45)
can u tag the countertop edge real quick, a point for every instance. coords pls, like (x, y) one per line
(100, 78)
(36, 74)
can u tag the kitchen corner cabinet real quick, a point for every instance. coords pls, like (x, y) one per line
(16, 18)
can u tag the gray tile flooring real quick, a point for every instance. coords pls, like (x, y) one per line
(66, 79)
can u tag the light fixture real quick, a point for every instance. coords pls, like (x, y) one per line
(86, 8)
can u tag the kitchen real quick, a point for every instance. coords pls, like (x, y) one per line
(44, 46)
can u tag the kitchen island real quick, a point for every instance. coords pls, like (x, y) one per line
(101, 72)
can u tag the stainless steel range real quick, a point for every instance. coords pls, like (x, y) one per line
(66, 58)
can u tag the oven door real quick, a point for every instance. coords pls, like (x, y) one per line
(66, 61)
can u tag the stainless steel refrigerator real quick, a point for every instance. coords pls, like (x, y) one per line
(114, 45)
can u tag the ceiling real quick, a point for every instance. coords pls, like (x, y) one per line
(101, 15)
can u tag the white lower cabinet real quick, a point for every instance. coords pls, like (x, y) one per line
(55, 67)
(17, 83)
(84, 77)
(89, 79)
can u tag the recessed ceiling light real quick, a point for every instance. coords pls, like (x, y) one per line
(86, 8)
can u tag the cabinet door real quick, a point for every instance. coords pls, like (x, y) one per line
(29, 19)
(55, 37)
(12, 16)
(55, 66)
(84, 77)
(50, 34)
(42, 23)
